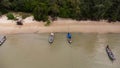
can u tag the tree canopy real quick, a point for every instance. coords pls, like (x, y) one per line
(75, 9)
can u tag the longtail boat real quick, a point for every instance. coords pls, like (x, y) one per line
(69, 36)
(110, 54)
(51, 38)
(2, 39)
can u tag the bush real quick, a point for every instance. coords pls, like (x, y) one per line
(0, 13)
(25, 16)
(3, 10)
(10, 16)
(47, 23)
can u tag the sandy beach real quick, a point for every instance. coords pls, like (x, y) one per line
(61, 25)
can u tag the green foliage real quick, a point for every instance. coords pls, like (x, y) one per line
(25, 16)
(0, 13)
(23, 5)
(75, 9)
(10, 16)
(53, 10)
(47, 23)
(40, 12)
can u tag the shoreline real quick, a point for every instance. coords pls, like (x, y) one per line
(61, 25)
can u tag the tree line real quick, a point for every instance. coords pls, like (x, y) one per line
(75, 9)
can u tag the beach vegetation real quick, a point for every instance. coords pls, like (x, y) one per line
(47, 23)
(10, 16)
(25, 15)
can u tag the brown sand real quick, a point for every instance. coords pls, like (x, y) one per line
(61, 25)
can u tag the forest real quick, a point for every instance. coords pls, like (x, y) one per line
(75, 9)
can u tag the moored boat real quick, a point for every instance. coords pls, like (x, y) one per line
(69, 36)
(51, 38)
(110, 54)
(2, 39)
